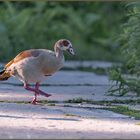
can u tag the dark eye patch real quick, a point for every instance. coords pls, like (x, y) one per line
(65, 43)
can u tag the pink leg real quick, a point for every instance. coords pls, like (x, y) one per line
(34, 99)
(37, 91)
(40, 91)
(33, 90)
(30, 89)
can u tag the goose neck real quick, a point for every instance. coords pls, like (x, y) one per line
(58, 52)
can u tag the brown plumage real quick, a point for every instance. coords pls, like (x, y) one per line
(5, 75)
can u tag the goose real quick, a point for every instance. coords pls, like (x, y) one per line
(31, 66)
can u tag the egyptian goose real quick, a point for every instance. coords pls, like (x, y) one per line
(31, 66)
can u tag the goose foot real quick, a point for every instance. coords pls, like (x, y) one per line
(34, 102)
(43, 93)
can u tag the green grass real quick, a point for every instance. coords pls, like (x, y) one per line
(117, 109)
(18, 102)
(125, 111)
(75, 100)
(51, 104)
(81, 100)
(103, 102)
(72, 115)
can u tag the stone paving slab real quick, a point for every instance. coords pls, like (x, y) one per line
(64, 85)
(60, 93)
(29, 121)
(60, 121)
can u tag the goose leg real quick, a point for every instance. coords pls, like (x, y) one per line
(37, 91)
(26, 86)
(40, 91)
(34, 99)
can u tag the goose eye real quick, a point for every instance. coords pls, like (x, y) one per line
(65, 43)
(71, 50)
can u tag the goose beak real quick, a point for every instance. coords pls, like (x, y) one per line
(70, 51)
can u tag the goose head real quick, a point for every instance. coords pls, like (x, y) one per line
(65, 45)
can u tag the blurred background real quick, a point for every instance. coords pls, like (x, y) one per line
(92, 27)
(102, 32)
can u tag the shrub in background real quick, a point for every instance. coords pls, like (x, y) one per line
(127, 77)
(91, 26)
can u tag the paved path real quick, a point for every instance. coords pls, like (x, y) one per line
(63, 85)
(19, 120)
(41, 121)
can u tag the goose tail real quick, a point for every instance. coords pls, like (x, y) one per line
(4, 75)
